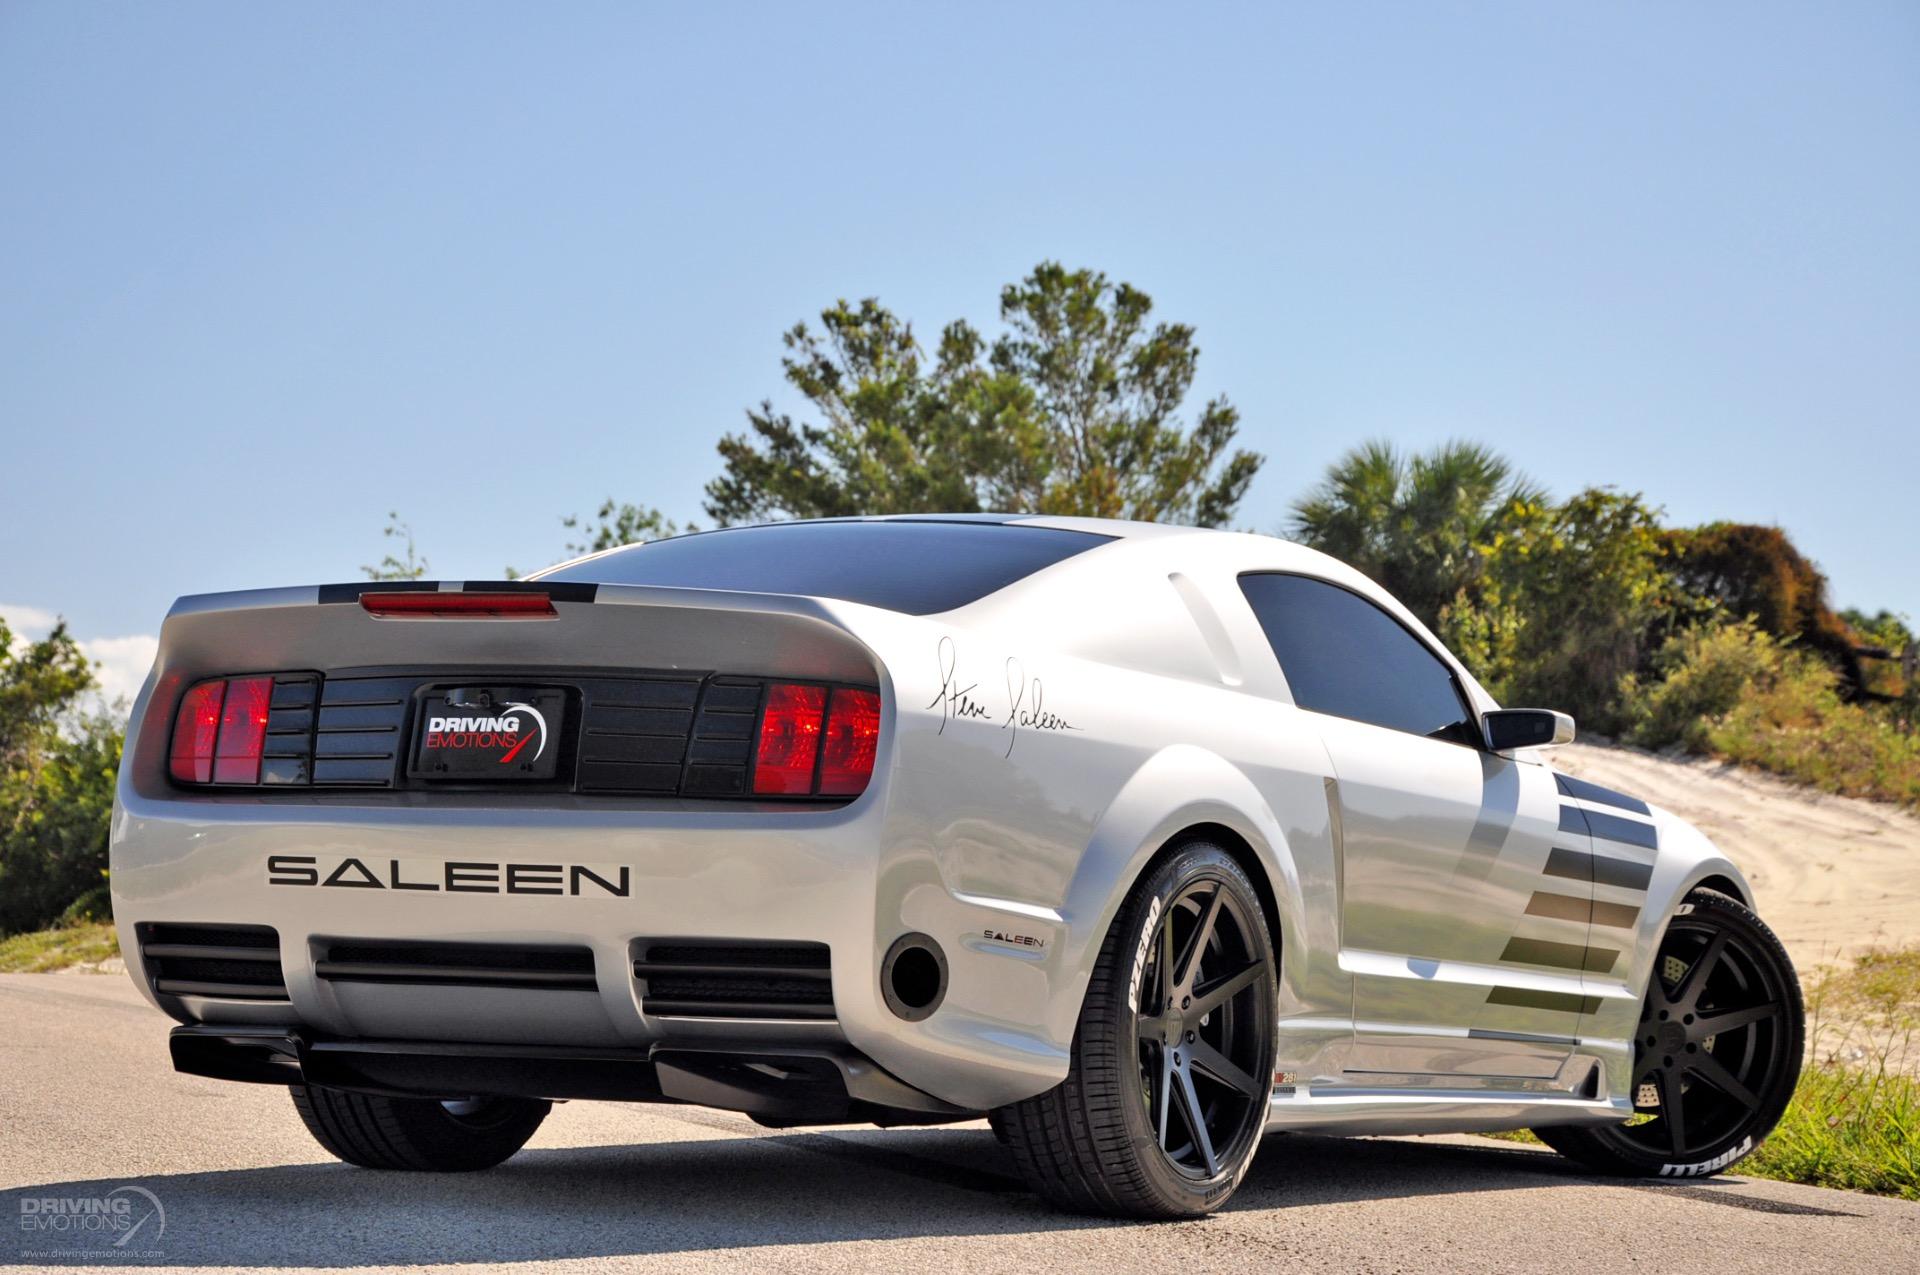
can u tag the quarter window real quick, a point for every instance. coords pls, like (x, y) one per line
(1346, 657)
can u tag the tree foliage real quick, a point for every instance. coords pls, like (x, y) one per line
(1418, 525)
(617, 524)
(57, 770)
(393, 567)
(1073, 409)
(1756, 571)
(1573, 598)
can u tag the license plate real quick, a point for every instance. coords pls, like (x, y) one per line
(489, 733)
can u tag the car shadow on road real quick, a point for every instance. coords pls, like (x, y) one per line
(716, 1193)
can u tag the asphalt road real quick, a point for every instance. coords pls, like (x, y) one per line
(89, 1104)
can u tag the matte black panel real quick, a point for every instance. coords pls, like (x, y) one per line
(294, 693)
(667, 749)
(1567, 907)
(354, 744)
(1592, 960)
(1629, 831)
(374, 772)
(1618, 916)
(386, 716)
(1571, 787)
(614, 776)
(1578, 865)
(639, 721)
(1529, 998)
(282, 720)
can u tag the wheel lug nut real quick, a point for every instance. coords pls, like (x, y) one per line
(1186, 1002)
(1667, 1061)
(1693, 1049)
(1688, 1020)
(1190, 1038)
(1663, 1015)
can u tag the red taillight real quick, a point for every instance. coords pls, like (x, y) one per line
(220, 731)
(243, 730)
(431, 604)
(853, 736)
(789, 739)
(195, 728)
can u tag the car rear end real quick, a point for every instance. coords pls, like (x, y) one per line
(580, 838)
(338, 838)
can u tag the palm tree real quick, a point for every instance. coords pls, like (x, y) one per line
(1416, 524)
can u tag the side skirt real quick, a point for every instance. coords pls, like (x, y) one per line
(1354, 1111)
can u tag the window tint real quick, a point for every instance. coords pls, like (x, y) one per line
(918, 567)
(1345, 656)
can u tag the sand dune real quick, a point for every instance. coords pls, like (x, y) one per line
(1832, 875)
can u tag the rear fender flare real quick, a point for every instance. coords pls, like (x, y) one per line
(1153, 808)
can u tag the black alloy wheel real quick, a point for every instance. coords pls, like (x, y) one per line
(1717, 1049)
(1202, 1031)
(1172, 1067)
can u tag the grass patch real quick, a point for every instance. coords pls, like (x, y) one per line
(1854, 1122)
(42, 951)
(1847, 1128)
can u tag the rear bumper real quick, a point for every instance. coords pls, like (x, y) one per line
(776, 1083)
(844, 877)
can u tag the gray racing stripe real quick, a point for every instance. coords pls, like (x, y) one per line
(1571, 787)
(1528, 998)
(1572, 956)
(1568, 907)
(1608, 827)
(1578, 865)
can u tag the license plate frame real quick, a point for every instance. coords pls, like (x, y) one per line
(461, 734)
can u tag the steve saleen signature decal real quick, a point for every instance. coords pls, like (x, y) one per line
(1026, 697)
(1026, 712)
(954, 701)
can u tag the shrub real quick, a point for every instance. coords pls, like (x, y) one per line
(1741, 694)
(1572, 598)
(53, 824)
(1756, 571)
(1703, 675)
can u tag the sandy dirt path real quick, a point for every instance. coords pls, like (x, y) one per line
(1832, 875)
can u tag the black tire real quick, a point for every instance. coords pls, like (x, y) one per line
(1724, 1023)
(419, 1134)
(1116, 1137)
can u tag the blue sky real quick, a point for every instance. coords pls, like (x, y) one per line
(267, 272)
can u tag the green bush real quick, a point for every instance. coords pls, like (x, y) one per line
(57, 770)
(1702, 675)
(1739, 693)
(53, 840)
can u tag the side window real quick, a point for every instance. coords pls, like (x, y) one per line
(1346, 657)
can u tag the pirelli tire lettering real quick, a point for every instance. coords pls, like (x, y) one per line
(1705, 1167)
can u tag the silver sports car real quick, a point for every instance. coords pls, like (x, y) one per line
(1140, 840)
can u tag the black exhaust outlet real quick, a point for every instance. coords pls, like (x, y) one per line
(913, 977)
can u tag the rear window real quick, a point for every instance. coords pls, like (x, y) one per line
(915, 567)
